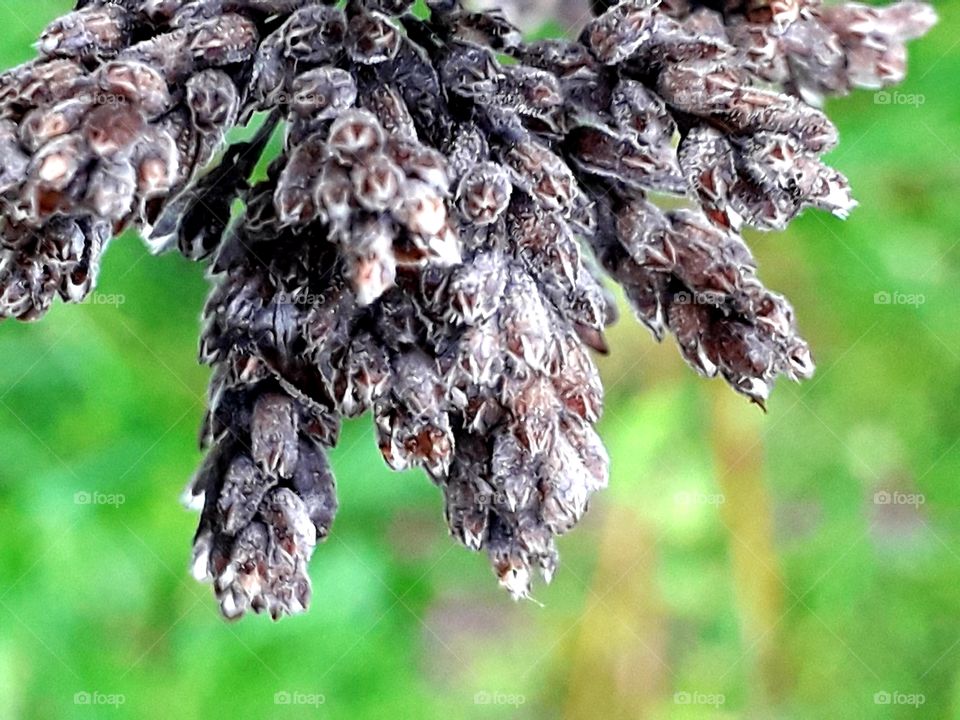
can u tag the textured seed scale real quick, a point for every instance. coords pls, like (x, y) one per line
(431, 244)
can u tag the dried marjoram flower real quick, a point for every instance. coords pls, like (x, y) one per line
(428, 245)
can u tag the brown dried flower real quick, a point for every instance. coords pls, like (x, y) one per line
(428, 245)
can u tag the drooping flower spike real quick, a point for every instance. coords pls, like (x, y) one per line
(431, 244)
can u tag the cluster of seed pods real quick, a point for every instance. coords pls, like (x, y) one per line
(432, 242)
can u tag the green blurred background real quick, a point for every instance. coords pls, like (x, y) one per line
(799, 564)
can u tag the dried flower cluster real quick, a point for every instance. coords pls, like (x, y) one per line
(428, 245)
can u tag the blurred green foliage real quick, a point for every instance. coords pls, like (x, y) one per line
(741, 565)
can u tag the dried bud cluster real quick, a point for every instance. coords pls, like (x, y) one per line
(428, 245)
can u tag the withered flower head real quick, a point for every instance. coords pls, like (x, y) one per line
(430, 244)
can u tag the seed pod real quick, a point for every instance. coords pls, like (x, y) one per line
(39, 83)
(225, 40)
(213, 101)
(620, 31)
(371, 38)
(471, 71)
(244, 487)
(273, 435)
(323, 93)
(385, 102)
(41, 125)
(111, 188)
(294, 197)
(137, 83)
(539, 172)
(93, 32)
(13, 160)
(354, 134)
(599, 151)
(312, 34)
(484, 193)
(376, 182)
